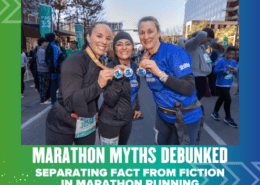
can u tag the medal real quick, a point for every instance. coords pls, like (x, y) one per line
(141, 72)
(128, 72)
(118, 74)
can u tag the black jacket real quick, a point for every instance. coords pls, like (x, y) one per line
(116, 108)
(79, 93)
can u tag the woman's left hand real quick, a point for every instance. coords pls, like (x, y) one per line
(151, 66)
(137, 114)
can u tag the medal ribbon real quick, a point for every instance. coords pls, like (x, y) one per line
(147, 56)
(93, 57)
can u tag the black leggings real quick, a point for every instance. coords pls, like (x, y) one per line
(224, 96)
(212, 83)
(114, 135)
(166, 134)
(22, 77)
(200, 83)
(54, 138)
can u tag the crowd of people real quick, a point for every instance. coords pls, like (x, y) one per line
(176, 75)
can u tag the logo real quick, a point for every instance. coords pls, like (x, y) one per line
(184, 66)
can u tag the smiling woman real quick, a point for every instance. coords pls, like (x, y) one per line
(73, 117)
(121, 103)
(170, 78)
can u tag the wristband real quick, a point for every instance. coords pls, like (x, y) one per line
(163, 77)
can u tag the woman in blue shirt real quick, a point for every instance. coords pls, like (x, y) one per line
(169, 76)
(225, 68)
(121, 102)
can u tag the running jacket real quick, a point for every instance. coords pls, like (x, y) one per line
(117, 108)
(175, 62)
(53, 58)
(79, 93)
(222, 80)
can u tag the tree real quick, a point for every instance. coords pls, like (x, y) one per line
(197, 27)
(229, 32)
(171, 34)
(29, 7)
(84, 12)
(60, 6)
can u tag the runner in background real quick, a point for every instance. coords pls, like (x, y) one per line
(43, 70)
(225, 68)
(215, 55)
(195, 46)
(53, 58)
(73, 117)
(23, 68)
(110, 54)
(73, 48)
(121, 103)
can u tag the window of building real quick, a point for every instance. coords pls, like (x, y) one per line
(212, 26)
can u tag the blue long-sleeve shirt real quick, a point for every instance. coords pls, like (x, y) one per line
(222, 79)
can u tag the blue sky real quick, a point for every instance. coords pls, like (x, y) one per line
(169, 13)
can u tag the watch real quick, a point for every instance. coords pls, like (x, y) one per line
(163, 77)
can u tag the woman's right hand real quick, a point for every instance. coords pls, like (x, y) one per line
(120, 67)
(104, 76)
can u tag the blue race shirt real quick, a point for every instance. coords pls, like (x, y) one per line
(224, 80)
(134, 85)
(174, 61)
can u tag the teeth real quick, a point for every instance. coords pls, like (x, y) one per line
(101, 47)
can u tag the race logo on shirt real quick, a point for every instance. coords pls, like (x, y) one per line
(150, 78)
(134, 83)
(186, 65)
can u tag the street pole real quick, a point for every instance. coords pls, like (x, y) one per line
(212, 20)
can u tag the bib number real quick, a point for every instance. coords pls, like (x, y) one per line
(228, 77)
(207, 59)
(85, 126)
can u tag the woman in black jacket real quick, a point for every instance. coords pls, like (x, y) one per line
(73, 117)
(121, 102)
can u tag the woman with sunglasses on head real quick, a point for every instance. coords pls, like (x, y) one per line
(73, 117)
(121, 102)
(169, 76)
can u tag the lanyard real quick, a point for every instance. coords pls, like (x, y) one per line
(93, 57)
(147, 55)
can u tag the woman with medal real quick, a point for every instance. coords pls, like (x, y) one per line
(121, 102)
(73, 117)
(169, 76)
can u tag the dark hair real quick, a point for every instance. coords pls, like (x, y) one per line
(231, 48)
(149, 18)
(41, 40)
(86, 43)
(210, 32)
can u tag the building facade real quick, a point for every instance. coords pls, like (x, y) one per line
(211, 10)
(205, 10)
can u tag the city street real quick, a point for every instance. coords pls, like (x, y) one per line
(33, 116)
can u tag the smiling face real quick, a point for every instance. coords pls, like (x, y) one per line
(123, 49)
(149, 35)
(229, 55)
(100, 39)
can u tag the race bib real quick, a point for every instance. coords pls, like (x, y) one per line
(85, 126)
(228, 77)
(207, 59)
(109, 141)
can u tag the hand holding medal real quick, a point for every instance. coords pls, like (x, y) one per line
(141, 71)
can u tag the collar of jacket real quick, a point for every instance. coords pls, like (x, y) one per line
(115, 62)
